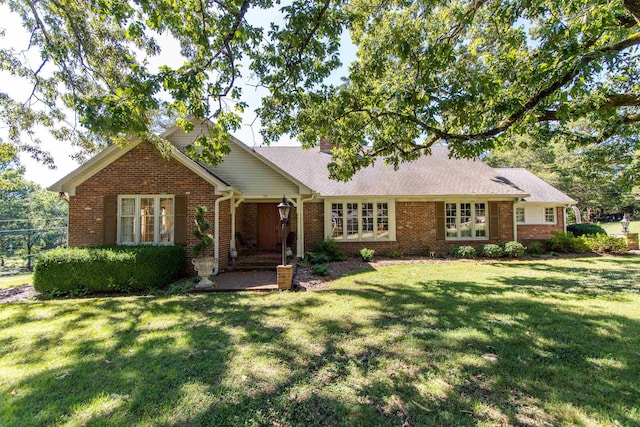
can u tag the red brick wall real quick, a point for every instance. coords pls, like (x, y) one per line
(415, 230)
(143, 171)
(527, 233)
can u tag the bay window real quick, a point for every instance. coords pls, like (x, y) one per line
(353, 220)
(466, 221)
(145, 219)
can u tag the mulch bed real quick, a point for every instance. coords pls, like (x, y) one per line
(18, 293)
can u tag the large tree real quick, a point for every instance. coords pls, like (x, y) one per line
(472, 73)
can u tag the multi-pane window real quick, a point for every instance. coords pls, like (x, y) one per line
(466, 220)
(549, 215)
(520, 217)
(145, 219)
(360, 221)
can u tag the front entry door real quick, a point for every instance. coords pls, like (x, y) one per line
(268, 226)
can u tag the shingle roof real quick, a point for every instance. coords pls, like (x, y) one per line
(540, 191)
(433, 175)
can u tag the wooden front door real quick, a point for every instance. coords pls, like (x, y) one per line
(269, 226)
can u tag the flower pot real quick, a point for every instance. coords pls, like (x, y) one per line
(204, 267)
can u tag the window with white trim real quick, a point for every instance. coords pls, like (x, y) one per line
(466, 221)
(520, 215)
(550, 215)
(145, 219)
(354, 220)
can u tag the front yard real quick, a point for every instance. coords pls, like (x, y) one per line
(542, 342)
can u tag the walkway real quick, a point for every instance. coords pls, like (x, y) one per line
(259, 280)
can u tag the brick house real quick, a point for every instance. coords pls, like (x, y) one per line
(134, 195)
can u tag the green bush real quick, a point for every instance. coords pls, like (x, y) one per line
(513, 249)
(396, 253)
(585, 229)
(321, 270)
(490, 251)
(331, 249)
(463, 252)
(565, 243)
(366, 254)
(317, 258)
(602, 243)
(535, 248)
(77, 271)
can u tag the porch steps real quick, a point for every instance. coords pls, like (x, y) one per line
(267, 262)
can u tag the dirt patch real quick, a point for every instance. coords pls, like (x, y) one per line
(18, 293)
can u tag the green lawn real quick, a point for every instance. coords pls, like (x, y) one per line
(524, 343)
(17, 280)
(616, 227)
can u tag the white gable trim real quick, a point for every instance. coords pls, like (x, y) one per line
(109, 155)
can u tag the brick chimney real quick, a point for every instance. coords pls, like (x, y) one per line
(326, 145)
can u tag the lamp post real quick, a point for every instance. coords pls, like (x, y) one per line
(283, 210)
(625, 223)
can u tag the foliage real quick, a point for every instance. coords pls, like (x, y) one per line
(490, 251)
(585, 229)
(108, 269)
(463, 252)
(535, 248)
(513, 249)
(367, 254)
(331, 249)
(601, 243)
(519, 339)
(397, 253)
(317, 257)
(473, 74)
(425, 250)
(565, 243)
(205, 240)
(321, 270)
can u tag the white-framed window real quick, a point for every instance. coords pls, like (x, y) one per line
(466, 221)
(550, 215)
(355, 220)
(145, 219)
(520, 215)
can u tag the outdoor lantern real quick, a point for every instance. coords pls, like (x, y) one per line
(283, 210)
(625, 223)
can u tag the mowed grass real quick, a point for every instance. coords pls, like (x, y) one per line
(544, 342)
(17, 280)
(616, 227)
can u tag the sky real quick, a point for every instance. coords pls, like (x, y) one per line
(17, 38)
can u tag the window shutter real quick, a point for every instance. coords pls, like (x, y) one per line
(494, 215)
(110, 219)
(440, 232)
(180, 225)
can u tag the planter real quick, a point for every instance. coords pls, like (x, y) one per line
(204, 267)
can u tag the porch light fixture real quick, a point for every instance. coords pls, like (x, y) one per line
(283, 210)
(625, 223)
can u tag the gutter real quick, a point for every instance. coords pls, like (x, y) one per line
(216, 232)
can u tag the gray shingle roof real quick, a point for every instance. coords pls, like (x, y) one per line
(434, 175)
(540, 191)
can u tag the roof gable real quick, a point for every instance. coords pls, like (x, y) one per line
(539, 190)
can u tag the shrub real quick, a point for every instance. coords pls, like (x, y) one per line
(463, 252)
(396, 253)
(331, 249)
(585, 229)
(366, 254)
(317, 257)
(535, 248)
(321, 270)
(425, 250)
(513, 249)
(490, 251)
(602, 243)
(77, 271)
(205, 239)
(565, 243)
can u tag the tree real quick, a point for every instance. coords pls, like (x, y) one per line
(473, 73)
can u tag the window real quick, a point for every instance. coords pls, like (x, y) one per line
(520, 217)
(145, 219)
(466, 221)
(353, 221)
(549, 215)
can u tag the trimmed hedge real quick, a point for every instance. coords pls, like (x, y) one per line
(585, 229)
(78, 271)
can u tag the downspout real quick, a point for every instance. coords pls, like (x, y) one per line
(515, 223)
(564, 218)
(216, 242)
(300, 249)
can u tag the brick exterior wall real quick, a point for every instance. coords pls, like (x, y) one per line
(415, 230)
(143, 171)
(528, 233)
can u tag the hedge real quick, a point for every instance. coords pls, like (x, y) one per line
(78, 271)
(585, 229)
